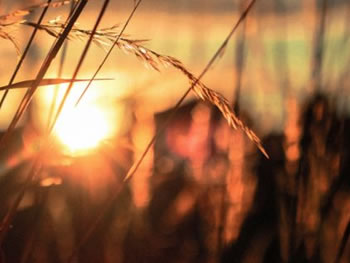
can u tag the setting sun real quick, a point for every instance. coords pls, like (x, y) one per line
(82, 128)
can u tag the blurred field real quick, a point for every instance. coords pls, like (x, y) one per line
(204, 192)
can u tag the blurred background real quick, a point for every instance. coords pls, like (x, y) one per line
(204, 192)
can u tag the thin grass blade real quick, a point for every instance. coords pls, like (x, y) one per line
(45, 82)
(23, 56)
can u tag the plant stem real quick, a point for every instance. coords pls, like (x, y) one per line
(20, 62)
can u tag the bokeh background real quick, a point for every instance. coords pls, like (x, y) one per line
(204, 192)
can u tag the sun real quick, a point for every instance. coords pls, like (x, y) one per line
(82, 128)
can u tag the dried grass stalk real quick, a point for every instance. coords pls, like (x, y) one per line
(44, 82)
(8, 36)
(13, 19)
(105, 37)
(102, 37)
(25, 11)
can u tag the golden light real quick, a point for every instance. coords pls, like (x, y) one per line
(83, 128)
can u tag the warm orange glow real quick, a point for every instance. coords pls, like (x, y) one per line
(82, 128)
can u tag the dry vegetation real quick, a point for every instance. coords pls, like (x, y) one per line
(202, 202)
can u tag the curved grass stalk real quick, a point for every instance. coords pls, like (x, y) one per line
(210, 95)
(214, 97)
(155, 60)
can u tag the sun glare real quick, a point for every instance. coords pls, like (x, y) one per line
(82, 128)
